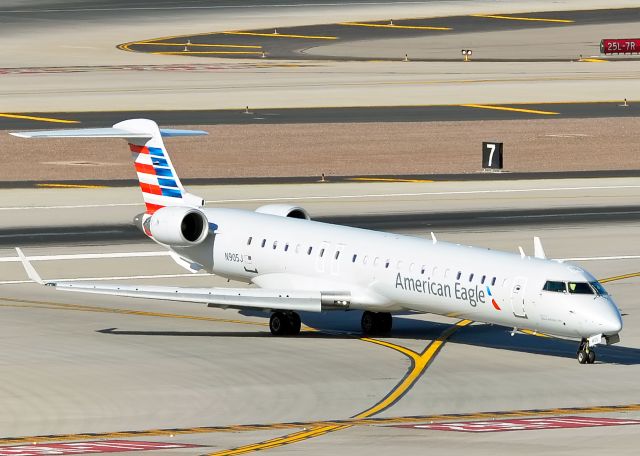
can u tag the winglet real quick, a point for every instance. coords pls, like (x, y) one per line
(31, 272)
(538, 249)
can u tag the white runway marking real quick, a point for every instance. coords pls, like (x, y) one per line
(339, 197)
(86, 256)
(68, 233)
(99, 279)
(603, 258)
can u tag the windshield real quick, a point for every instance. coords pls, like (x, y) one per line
(599, 288)
(580, 288)
(551, 285)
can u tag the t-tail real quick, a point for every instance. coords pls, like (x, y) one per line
(159, 182)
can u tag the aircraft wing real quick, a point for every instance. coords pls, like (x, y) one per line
(239, 298)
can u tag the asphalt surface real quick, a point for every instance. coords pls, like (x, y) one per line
(324, 115)
(119, 233)
(291, 42)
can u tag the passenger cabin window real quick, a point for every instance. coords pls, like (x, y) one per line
(483, 279)
(321, 253)
(558, 287)
(275, 244)
(459, 275)
(249, 240)
(424, 268)
(493, 281)
(353, 260)
(471, 277)
(386, 264)
(264, 242)
(309, 250)
(580, 288)
(337, 254)
(286, 247)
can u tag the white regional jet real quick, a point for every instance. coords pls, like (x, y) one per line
(302, 265)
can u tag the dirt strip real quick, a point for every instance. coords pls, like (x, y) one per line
(548, 144)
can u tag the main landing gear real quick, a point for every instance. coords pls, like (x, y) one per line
(284, 324)
(586, 355)
(376, 323)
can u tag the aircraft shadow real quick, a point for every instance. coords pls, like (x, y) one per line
(346, 325)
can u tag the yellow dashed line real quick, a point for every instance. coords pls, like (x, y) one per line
(69, 186)
(505, 108)
(388, 179)
(41, 119)
(593, 60)
(393, 26)
(282, 35)
(516, 18)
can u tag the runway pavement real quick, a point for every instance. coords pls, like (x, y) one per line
(184, 374)
(428, 113)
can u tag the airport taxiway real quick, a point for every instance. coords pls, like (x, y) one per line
(94, 364)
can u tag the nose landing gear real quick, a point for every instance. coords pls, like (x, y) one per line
(586, 355)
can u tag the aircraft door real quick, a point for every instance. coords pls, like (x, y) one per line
(518, 297)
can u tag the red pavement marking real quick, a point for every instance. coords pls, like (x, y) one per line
(525, 424)
(102, 446)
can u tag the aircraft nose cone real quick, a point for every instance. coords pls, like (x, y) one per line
(611, 323)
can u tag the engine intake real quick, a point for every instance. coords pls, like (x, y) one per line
(179, 226)
(284, 210)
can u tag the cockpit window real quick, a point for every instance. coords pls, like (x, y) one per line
(551, 285)
(579, 288)
(599, 288)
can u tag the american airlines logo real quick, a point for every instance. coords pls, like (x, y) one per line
(472, 295)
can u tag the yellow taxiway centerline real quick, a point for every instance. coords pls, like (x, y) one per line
(393, 26)
(506, 108)
(69, 186)
(241, 46)
(419, 363)
(207, 53)
(389, 179)
(517, 18)
(40, 119)
(282, 35)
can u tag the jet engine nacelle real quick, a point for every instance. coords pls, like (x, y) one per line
(284, 210)
(179, 226)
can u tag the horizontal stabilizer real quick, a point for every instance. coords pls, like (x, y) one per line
(104, 133)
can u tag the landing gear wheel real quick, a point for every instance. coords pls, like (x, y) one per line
(583, 357)
(284, 324)
(376, 323)
(369, 323)
(278, 324)
(591, 357)
(294, 323)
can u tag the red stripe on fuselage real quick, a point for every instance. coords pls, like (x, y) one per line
(145, 169)
(139, 149)
(151, 208)
(495, 304)
(150, 188)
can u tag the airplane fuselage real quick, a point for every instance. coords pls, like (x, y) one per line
(387, 272)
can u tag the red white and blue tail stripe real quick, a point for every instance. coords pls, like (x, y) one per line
(159, 182)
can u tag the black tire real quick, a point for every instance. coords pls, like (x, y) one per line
(385, 322)
(583, 357)
(278, 324)
(294, 324)
(369, 323)
(591, 357)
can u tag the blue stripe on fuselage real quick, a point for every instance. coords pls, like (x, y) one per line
(171, 192)
(167, 183)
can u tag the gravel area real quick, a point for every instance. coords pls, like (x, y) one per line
(341, 149)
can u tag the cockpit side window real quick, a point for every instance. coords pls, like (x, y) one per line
(579, 288)
(599, 288)
(559, 287)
